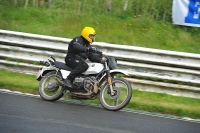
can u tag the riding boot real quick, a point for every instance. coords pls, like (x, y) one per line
(68, 82)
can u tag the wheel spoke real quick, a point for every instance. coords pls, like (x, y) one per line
(49, 89)
(121, 97)
(117, 101)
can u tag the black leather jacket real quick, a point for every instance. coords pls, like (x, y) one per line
(78, 46)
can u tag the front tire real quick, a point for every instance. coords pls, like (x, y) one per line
(123, 94)
(49, 88)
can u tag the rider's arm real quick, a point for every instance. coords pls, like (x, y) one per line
(94, 58)
(78, 48)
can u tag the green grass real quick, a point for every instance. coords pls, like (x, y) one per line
(65, 19)
(164, 103)
(18, 82)
(147, 101)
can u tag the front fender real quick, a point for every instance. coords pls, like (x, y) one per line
(118, 71)
(113, 72)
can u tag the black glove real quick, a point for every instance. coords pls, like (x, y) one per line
(103, 60)
(91, 49)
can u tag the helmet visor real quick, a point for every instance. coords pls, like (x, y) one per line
(92, 36)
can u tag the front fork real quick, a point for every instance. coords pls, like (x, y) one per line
(110, 85)
(109, 80)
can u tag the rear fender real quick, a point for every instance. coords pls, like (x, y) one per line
(44, 71)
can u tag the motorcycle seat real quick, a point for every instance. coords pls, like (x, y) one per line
(62, 65)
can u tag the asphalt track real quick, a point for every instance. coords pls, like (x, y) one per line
(21, 113)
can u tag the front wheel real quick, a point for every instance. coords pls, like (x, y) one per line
(49, 88)
(122, 96)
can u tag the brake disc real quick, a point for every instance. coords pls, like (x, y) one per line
(116, 93)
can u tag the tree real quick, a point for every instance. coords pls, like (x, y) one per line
(26, 3)
(50, 3)
(41, 3)
(108, 5)
(15, 2)
(125, 5)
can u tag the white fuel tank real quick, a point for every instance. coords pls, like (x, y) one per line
(94, 68)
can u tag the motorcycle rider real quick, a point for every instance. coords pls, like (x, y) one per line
(79, 49)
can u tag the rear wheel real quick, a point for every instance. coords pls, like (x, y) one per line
(122, 94)
(49, 88)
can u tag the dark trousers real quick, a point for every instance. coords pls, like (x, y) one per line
(77, 64)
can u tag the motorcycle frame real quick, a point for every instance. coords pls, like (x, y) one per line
(105, 74)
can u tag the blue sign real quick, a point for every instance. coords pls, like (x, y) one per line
(193, 15)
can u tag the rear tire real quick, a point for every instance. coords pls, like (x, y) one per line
(49, 88)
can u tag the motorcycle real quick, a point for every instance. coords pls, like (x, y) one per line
(99, 79)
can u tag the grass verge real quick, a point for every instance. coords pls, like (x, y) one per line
(147, 101)
(118, 28)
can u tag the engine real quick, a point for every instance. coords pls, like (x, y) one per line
(85, 84)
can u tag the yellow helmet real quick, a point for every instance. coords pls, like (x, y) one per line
(89, 34)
